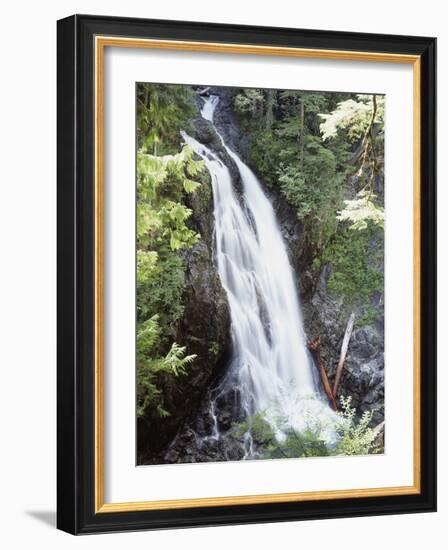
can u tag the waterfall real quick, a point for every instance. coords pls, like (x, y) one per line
(271, 367)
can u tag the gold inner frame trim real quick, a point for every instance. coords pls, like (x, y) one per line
(101, 42)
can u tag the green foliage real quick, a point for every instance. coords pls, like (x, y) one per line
(149, 369)
(361, 121)
(265, 154)
(249, 101)
(307, 187)
(352, 116)
(298, 445)
(162, 230)
(353, 256)
(163, 181)
(292, 102)
(356, 437)
(161, 293)
(214, 350)
(362, 211)
(259, 428)
(146, 263)
(162, 110)
(313, 187)
(290, 153)
(369, 314)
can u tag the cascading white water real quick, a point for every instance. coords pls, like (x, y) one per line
(271, 364)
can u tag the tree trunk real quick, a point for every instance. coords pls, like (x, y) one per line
(344, 348)
(204, 91)
(314, 346)
(269, 109)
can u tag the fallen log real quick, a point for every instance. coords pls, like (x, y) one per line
(204, 91)
(344, 348)
(314, 347)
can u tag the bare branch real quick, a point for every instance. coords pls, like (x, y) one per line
(344, 348)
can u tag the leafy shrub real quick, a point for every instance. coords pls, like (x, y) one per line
(298, 445)
(249, 101)
(162, 110)
(362, 211)
(353, 256)
(356, 437)
(163, 180)
(162, 293)
(174, 363)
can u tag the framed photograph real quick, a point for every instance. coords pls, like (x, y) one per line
(246, 274)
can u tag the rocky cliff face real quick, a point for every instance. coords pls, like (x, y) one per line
(363, 375)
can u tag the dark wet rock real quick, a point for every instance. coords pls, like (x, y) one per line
(225, 420)
(228, 124)
(172, 456)
(206, 449)
(205, 133)
(234, 449)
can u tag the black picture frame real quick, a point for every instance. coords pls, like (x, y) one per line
(76, 511)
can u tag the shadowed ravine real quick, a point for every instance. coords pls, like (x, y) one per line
(270, 371)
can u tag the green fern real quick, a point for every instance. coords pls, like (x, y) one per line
(356, 437)
(174, 363)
